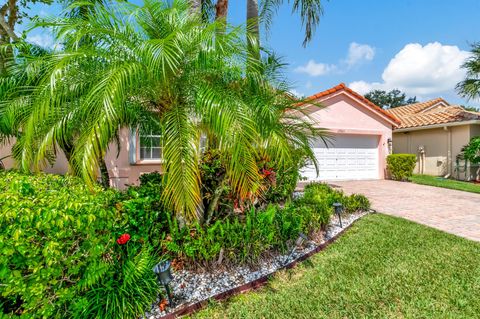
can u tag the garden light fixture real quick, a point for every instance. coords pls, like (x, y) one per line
(164, 276)
(338, 211)
(298, 243)
(301, 238)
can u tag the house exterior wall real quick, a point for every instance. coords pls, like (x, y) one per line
(122, 173)
(474, 130)
(441, 147)
(6, 150)
(343, 114)
(123, 169)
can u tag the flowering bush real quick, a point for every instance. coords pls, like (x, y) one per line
(58, 256)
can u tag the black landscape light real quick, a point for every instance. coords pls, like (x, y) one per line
(301, 238)
(164, 276)
(298, 243)
(338, 211)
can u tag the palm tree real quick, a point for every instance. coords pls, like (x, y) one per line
(470, 87)
(157, 66)
(309, 10)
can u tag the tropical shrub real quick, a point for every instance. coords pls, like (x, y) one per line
(243, 240)
(401, 166)
(59, 254)
(246, 238)
(471, 152)
(286, 179)
(356, 202)
(322, 195)
(143, 208)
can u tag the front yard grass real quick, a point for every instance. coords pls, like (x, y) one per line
(383, 267)
(445, 183)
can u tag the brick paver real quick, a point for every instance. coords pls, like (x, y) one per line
(455, 212)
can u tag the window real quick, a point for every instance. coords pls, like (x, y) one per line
(150, 147)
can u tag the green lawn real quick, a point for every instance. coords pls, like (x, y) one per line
(445, 183)
(383, 267)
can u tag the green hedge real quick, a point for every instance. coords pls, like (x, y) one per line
(58, 252)
(401, 166)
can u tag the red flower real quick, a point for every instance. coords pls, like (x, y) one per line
(123, 239)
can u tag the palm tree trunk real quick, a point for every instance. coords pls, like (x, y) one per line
(253, 28)
(213, 205)
(221, 9)
(104, 176)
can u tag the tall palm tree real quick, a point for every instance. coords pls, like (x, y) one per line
(470, 87)
(309, 10)
(158, 66)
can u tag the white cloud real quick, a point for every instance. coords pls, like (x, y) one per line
(363, 87)
(44, 40)
(296, 93)
(358, 53)
(313, 68)
(420, 70)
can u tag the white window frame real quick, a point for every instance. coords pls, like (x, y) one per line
(141, 160)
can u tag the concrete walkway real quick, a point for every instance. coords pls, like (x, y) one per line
(455, 212)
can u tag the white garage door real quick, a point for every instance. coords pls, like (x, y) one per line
(348, 157)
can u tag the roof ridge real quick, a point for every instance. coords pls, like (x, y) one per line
(342, 86)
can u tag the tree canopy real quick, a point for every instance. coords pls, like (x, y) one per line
(470, 86)
(390, 99)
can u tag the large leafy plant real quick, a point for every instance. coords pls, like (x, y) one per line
(58, 252)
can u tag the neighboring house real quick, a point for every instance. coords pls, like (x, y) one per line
(435, 131)
(361, 136)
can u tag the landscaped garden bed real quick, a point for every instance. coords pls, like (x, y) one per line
(193, 289)
(88, 253)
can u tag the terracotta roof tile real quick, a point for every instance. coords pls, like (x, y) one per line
(432, 112)
(416, 107)
(341, 87)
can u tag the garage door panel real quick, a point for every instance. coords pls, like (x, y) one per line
(350, 157)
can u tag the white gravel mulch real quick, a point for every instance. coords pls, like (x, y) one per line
(190, 287)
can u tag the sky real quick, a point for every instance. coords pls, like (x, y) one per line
(417, 46)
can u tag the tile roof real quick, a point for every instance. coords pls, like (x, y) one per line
(343, 87)
(432, 112)
(416, 107)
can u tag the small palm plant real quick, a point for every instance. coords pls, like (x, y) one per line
(471, 152)
(159, 67)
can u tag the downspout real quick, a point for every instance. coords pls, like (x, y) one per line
(449, 151)
(421, 160)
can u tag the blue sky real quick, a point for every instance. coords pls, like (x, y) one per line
(416, 46)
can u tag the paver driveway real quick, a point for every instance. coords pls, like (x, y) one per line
(452, 211)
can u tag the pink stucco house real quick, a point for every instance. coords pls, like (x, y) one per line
(360, 139)
(361, 136)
